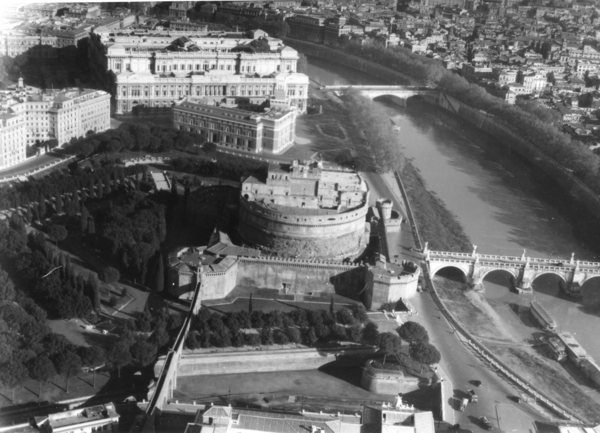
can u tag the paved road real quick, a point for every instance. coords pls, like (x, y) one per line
(459, 364)
(30, 164)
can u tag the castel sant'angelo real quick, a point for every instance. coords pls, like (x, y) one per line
(305, 211)
(305, 226)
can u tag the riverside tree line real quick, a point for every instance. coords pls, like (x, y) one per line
(527, 120)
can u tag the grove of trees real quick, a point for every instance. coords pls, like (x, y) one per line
(308, 327)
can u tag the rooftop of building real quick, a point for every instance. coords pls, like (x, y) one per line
(276, 422)
(78, 416)
(218, 256)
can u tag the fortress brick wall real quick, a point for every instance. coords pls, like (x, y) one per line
(301, 277)
(217, 285)
(301, 235)
(390, 288)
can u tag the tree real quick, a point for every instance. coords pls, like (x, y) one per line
(310, 337)
(370, 334)
(41, 369)
(12, 375)
(280, 337)
(57, 233)
(159, 278)
(83, 220)
(413, 332)
(92, 357)
(120, 356)
(93, 290)
(7, 288)
(389, 344)
(256, 317)
(425, 353)
(110, 275)
(293, 334)
(345, 317)
(143, 352)
(266, 336)
(353, 333)
(59, 205)
(67, 363)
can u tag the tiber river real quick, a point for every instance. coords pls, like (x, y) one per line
(494, 196)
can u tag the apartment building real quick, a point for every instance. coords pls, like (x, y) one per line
(29, 115)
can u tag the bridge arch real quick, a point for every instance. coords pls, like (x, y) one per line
(590, 291)
(548, 282)
(497, 282)
(463, 268)
(513, 273)
(544, 272)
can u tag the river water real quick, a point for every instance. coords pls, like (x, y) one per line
(501, 205)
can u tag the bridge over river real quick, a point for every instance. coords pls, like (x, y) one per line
(523, 269)
(375, 91)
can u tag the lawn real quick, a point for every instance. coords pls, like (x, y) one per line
(274, 389)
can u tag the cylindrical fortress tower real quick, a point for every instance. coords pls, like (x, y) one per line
(305, 212)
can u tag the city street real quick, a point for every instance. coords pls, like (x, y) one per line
(29, 165)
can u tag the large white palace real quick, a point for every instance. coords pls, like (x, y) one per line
(158, 69)
(28, 115)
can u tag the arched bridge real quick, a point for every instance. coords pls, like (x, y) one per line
(401, 92)
(524, 269)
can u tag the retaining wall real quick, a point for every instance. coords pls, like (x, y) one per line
(256, 361)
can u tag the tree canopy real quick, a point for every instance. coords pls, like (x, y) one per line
(425, 353)
(413, 332)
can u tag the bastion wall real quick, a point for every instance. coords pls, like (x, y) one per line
(300, 235)
(201, 363)
(391, 382)
(388, 288)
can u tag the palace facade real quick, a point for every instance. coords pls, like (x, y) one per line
(240, 129)
(159, 68)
